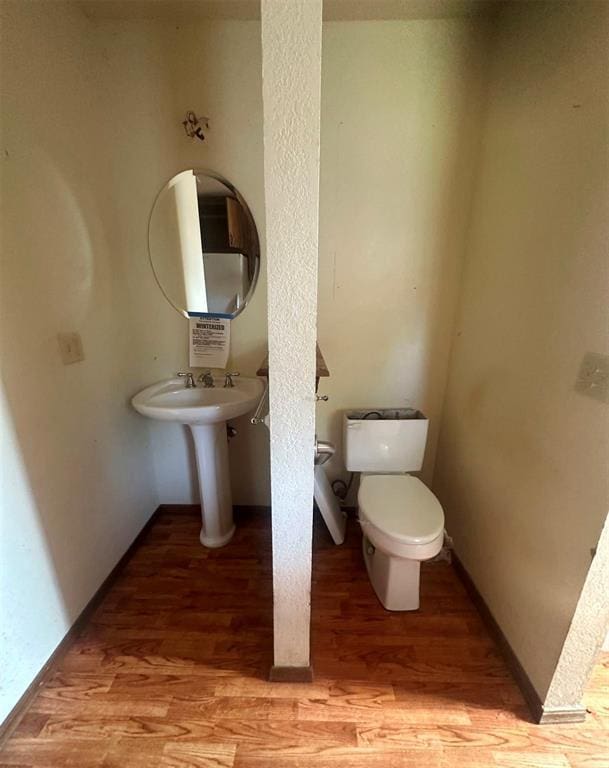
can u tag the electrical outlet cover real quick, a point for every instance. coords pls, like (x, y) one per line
(593, 376)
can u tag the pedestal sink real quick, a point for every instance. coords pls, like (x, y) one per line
(205, 411)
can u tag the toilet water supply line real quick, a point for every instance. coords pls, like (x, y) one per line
(340, 487)
(323, 451)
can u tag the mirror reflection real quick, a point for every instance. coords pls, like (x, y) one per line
(203, 245)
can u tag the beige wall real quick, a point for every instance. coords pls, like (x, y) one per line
(522, 459)
(400, 123)
(76, 472)
(90, 132)
(400, 120)
(214, 68)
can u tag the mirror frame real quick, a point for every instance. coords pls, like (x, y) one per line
(256, 255)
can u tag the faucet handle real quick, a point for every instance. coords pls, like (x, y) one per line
(190, 379)
(228, 379)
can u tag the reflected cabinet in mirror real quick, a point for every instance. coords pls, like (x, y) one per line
(203, 245)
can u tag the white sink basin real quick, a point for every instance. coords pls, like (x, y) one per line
(171, 401)
(205, 411)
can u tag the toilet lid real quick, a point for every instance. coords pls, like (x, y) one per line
(402, 507)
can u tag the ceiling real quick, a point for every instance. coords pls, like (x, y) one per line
(334, 10)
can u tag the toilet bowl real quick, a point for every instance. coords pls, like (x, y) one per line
(402, 521)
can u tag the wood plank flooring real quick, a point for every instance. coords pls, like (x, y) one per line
(171, 671)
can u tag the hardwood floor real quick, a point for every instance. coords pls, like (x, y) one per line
(172, 668)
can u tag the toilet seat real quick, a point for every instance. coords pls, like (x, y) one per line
(401, 516)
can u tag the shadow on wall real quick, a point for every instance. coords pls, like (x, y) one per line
(85, 149)
(77, 480)
(522, 454)
(74, 444)
(399, 149)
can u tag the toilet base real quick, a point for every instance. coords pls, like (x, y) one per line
(394, 579)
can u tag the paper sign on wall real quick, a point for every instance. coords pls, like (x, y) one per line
(209, 342)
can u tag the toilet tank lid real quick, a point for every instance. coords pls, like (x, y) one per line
(401, 506)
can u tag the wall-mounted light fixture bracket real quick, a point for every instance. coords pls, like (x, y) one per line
(194, 126)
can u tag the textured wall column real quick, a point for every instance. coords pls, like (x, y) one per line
(291, 73)
(583, 642)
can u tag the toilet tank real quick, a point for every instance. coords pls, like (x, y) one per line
(384, 440)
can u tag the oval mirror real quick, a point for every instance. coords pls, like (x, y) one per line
(203, 245)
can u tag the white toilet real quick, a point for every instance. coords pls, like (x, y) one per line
(402, 521)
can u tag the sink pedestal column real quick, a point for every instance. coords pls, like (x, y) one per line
(211, 449)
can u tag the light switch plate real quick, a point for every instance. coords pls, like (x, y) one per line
(593, 376)
(70, 347)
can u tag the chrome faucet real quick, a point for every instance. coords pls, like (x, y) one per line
(190, 379)
(206, 379)
(228, 380)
